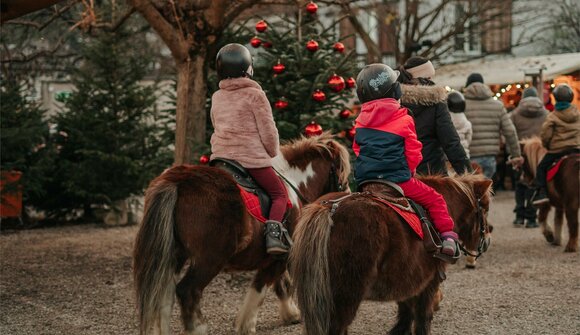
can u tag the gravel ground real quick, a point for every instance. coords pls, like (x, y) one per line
(77, 280)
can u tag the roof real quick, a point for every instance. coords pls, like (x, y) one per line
(507, 70)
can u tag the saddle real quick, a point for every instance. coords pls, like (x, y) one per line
(553, 170)
(392, 195)
(245, 183)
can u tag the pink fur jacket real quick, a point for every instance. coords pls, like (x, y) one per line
(244, 128)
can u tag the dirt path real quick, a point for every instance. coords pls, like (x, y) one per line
(77, 280)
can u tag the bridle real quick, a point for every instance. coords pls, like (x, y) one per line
(484, 242)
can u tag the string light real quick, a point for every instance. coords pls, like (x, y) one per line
(527, 85)
(498, 94)
(518, 86)
(503, 90)
(553, 85)
(448, 88)
(494, 98)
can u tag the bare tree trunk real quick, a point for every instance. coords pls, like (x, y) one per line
(190, 109)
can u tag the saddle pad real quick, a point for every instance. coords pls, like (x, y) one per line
(554, 169)
(410, 217)
(253, 204)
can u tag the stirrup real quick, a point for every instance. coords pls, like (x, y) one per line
(446, 258)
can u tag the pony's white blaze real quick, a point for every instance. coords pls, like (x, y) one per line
(248, 315)
(289, 311)
(294, 175)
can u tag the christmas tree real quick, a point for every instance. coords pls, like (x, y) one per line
(306, 73)
(113, 138)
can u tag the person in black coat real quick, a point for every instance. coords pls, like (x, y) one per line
(428, 104)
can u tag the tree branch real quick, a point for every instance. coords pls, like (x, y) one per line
(41, 26)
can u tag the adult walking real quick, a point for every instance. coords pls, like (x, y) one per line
(527, 118)
(435, 130)
(489, 120)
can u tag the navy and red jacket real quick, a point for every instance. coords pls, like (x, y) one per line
(385, 142)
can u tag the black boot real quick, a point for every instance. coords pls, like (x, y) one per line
(275, 239)
(518, 222)
(531, 223)
(540, 197)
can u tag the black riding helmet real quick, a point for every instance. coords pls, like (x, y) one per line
(564, 93)
(456, 102)
(234, 61)
(377, 81)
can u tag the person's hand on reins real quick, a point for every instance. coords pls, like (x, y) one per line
(516, 162)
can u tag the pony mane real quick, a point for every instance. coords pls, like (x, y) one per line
(462, 183)
(534, 151)
(303, 148)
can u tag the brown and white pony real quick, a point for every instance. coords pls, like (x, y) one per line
(361, 249)
(563, 192)
(194, 216)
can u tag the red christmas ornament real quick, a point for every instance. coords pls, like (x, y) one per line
(204, 159)
(350, 82)
(319, 96)
(255, 42)
(336, 83)
(261, 26)
(345, 114)
(338, 47)
(278, 68)
(281, 104)
(350, 133)
(266, 44)
(311, 7)
(313, 129)
(312, 45)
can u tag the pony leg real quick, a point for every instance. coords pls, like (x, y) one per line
(248, 314)
(424, 309)
(543, 218)
(405, 317)
(470, 261)
(189, 292)
(558, 221)
(572, 218)
(288, 310)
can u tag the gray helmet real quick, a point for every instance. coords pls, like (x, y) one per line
(564, 93)
(233, 61)
(377, 81)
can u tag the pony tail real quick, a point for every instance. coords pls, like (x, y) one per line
(308, 264)
(154, 262)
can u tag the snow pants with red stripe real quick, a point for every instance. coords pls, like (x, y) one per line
(431, 200)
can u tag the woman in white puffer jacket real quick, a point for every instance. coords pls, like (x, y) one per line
(456, 104)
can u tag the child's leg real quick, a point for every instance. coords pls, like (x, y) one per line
(271, 183)
(543, 167)
(432, 201)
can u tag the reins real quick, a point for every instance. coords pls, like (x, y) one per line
(481, 245)
(294, 188)
(333, 179)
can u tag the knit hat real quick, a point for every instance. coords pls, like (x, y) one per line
(474, 78)
(420, 67)
(530, 92)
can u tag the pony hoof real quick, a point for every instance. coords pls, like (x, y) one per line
(470, 266)
(570, 248)
(549, 237)
(555, 243)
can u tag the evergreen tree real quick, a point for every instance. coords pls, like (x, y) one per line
(114, 143)
(296, 62)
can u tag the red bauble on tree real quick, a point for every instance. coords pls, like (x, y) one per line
(255, 42)
(312, 45)
(319, 96)
(203, 159)
(261, 26)
(281, 104)
(278, 68)
(338, 47)
(311, 7)
(336, 83)
(313, 129)
(345, 114)
(350, 82)
(266, 45)
(350, 133)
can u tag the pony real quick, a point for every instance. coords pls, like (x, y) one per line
(563, 192)
(361, 249)
(195, 222)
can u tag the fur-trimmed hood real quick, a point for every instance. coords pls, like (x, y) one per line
(423, 95)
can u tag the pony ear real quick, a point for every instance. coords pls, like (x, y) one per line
(482, 187)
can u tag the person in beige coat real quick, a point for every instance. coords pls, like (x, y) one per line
(244, 131)
(560, 135)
